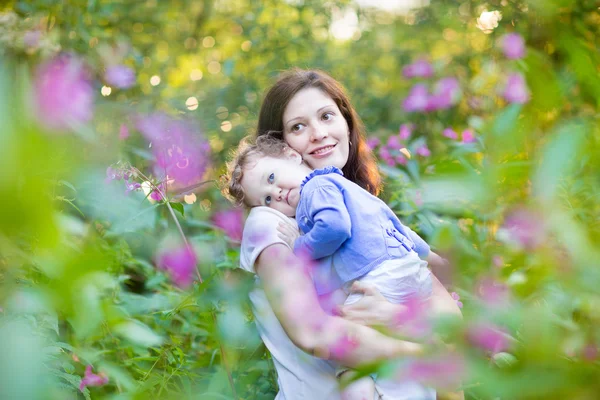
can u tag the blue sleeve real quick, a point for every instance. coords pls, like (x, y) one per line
(332, 225)
(421, 246)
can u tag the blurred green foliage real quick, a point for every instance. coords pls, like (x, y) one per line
(78, 284)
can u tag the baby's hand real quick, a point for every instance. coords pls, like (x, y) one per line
(288, 233)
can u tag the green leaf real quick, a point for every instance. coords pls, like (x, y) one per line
(138, 333)
(177, 207)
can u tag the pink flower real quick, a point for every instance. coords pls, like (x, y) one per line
(231, 222)
(493, 293)
(488, 337)
(120, 76)
(498, 261)
(456, 298)
(468, 136)
(181, 153)
(590, 352)
(441, 371)
(385, 155)
(420, 68)
(513, 46)
(401, 159)
(123, 132)
(424, 151)
(342, 346)
(91, 379)
(405, 131)
(516, 90)
(394, 143)
(412, 319)
(450, 133)
(525, 228)
(63, 95)
(180, 262)
(446, 93)
(373, 142)
(417, 99)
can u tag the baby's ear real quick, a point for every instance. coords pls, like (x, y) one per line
(292, 154)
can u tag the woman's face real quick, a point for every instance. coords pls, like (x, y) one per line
(314, 126)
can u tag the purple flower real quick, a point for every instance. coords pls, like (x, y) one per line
(493, 293)
(446, 93)
(180, 151)
(401, 159)
(417, 99)
(420, 68)
(516, 90)
(386, 156)
(405, 131)
(424, 151)
(456, 298)
(468, 136)
(373, 142)
(488, 337)
(525, 228)
(63, 95)
(180, 262)
(394, 143)
(342, 346)
(231, 222)
(513, 46)
(442, 371)
(412, 319)
(131, 186)
(120, 76)
(91, 379)
(450, 133)
(123, 132)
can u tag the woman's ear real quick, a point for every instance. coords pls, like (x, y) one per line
(293, 154)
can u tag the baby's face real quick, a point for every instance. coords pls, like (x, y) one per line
(275, 182)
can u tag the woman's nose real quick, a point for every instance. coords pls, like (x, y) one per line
(319, 133)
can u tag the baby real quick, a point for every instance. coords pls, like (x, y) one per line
(343, 226)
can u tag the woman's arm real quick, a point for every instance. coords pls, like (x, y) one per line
(292, 296)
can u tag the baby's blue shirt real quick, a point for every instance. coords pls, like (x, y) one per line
(343, 221)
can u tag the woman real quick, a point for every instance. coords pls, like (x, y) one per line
(302, 108)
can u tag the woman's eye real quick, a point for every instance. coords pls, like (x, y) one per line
(327, 116)
(296, 128)
(271, 178)
(268, 200)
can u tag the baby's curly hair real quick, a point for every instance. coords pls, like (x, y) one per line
(248, 152)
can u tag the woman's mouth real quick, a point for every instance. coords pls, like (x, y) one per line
(323, 151)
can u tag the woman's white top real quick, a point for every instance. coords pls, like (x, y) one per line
(300, 376)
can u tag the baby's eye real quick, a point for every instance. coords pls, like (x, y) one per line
(268, 200)
(271, 178)
(296, 128)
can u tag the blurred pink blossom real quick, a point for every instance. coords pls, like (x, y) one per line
(120, 76)
(513, 46)
(181, 153)
(420, 68)
(525, 228)
(91, 379)
(445, 371)
(488, 336)
(498, 261)
(450, 133)
(405, 131)
(385, 155)
(123, 132)
(493, 293)
(231, 222)
(412, 319)
(180, 262)
(446, 93)
(401, 159)
(423, 151)
(394, 143)
(63, 95)
(417, 99)
(342, 346)
(590, 352)
(516, 90)
(456, 298)
(468, 136)
(373, 142)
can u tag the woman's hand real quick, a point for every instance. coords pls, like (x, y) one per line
(372, 310)
(288, 234)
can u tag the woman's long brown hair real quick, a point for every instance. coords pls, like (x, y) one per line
(361, 167)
